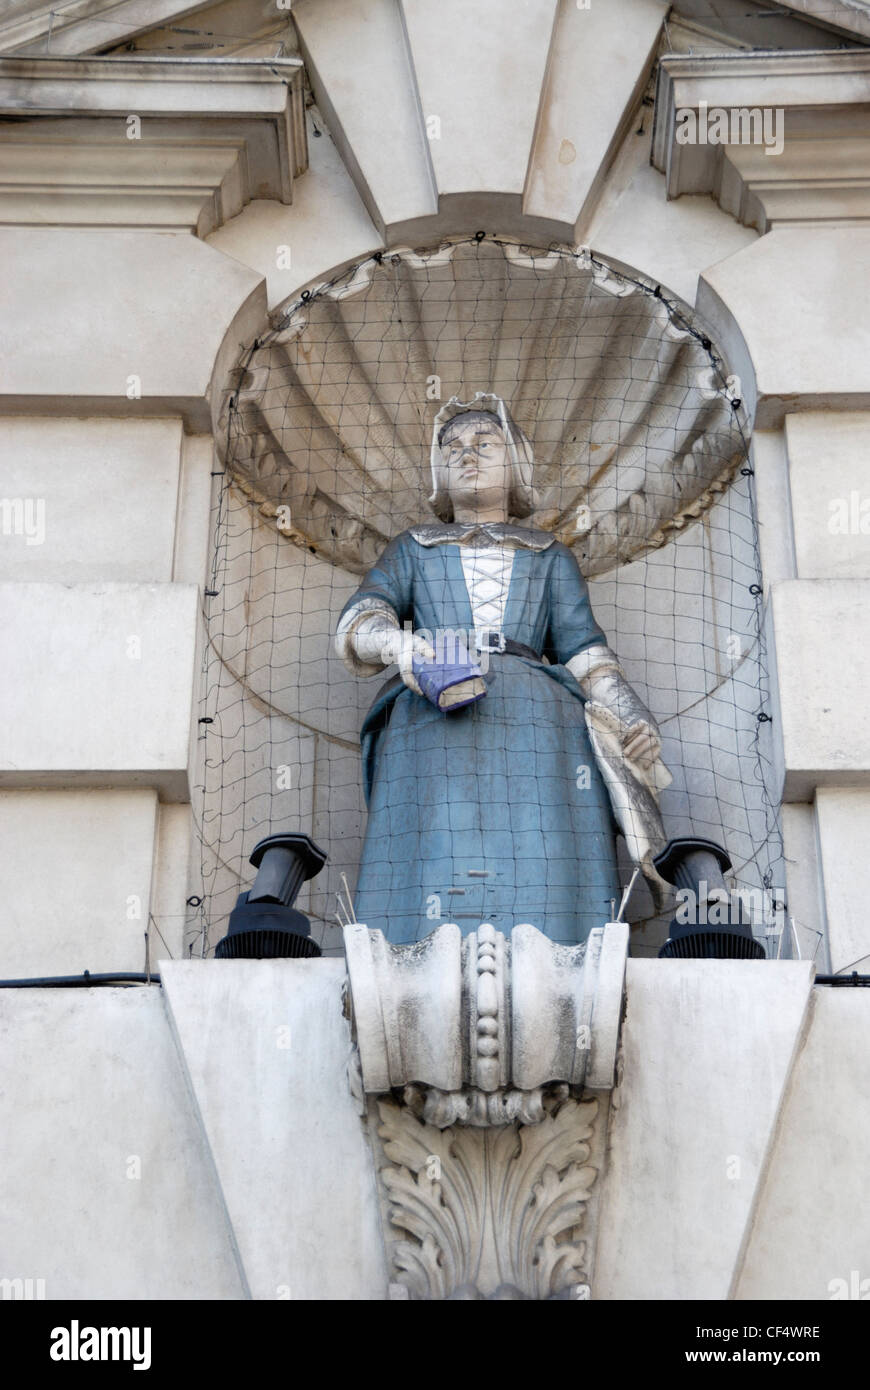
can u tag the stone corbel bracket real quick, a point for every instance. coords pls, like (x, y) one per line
(818, 170)
(165, 143)
(476, 1061)
(475, 1030)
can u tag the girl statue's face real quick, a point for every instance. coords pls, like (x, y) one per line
(478, 466)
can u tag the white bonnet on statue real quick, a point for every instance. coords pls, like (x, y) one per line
(523, 498)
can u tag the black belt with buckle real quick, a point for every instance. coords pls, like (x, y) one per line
(503, 646)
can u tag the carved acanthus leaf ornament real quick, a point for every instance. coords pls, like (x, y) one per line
(497, 1213)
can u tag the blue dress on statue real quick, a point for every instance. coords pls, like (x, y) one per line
(495, 812)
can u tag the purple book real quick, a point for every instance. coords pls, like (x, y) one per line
(450, 685)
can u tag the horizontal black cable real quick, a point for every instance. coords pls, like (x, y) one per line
(85, 979)
(855, 980)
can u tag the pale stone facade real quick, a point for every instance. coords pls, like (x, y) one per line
(148, 189)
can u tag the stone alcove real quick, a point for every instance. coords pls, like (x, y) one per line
(324, 427)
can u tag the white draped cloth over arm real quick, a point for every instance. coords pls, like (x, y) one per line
(612, 707)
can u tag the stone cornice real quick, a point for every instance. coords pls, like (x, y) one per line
(846, 16)
(822, 172)
(212, 134)
(824, 180)
(83, 26)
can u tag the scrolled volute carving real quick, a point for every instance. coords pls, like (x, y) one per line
(474, 1029)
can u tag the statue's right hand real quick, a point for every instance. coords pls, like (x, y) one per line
(401, 647)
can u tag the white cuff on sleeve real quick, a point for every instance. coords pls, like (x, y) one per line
(361, 633)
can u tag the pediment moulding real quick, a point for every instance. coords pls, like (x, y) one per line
(85, 26)
(844, 16)
(806, 160)
(166, 143)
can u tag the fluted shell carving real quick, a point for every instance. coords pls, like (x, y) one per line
(330, 416)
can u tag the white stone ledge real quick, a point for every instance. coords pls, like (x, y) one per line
(92, 1079)
(803, 882)
(830, 493)
(85, 501)
(774, 506)
(174, 848)
(89, 500)
(808, 1230)
(75, 881)
(708, 1048)
(770, 308)
(822, 635)
(264, 1045)
(78, 706)
(90, 315)
(843, 828)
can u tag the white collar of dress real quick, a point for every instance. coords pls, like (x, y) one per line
(482, 534)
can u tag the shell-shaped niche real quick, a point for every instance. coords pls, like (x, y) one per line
(330, 415)
(640, 466)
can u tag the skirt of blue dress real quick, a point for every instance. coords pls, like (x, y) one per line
(494, 813)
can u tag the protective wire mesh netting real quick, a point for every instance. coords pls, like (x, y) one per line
(641, 469)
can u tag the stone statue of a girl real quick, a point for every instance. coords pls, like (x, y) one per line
(504, 810)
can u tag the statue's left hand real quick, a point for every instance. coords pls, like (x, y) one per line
(641, 744)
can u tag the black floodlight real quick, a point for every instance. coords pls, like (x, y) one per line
(264, 925)
(719, 928)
